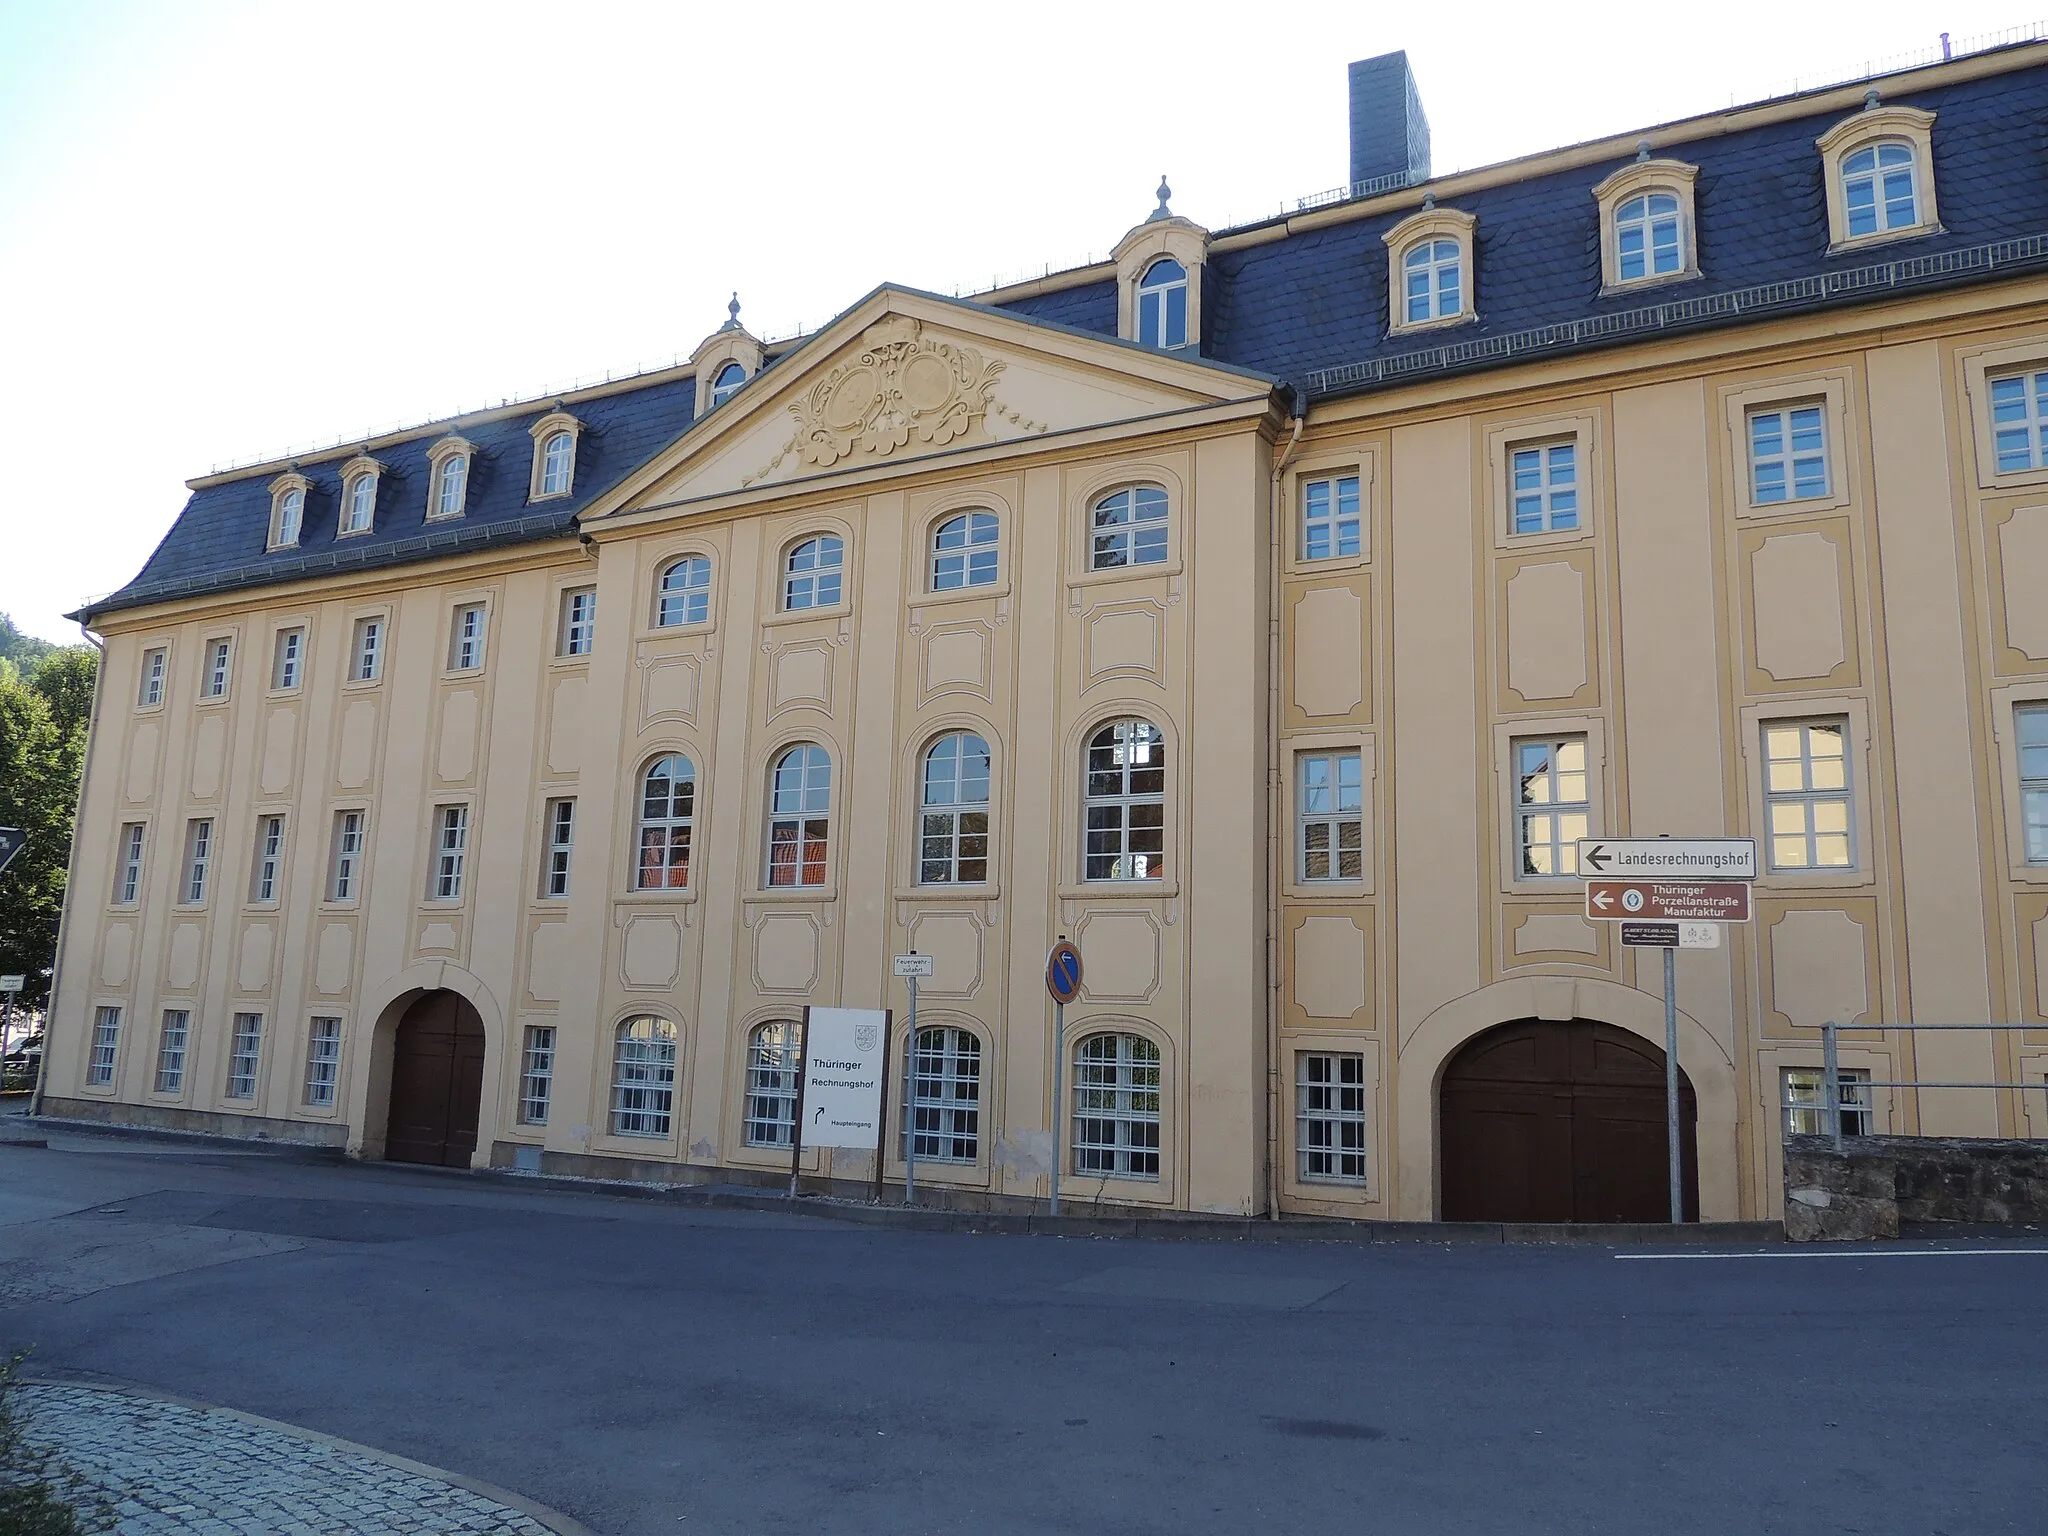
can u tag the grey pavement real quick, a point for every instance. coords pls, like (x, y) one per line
(651, 1368)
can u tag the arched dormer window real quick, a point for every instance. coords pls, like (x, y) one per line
(729, 379)
(1879, 166)
(448, 478)
(725, 360)
(1159, 271)
(287, 510)
(1646, 226)
(1430, 276)
(359, 495)
(1163, 305)
(554, 455)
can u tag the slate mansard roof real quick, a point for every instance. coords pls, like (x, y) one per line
(1308, 305)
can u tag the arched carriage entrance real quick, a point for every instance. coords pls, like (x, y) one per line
(437, 1082)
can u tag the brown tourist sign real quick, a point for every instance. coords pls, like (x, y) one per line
(1668, 901)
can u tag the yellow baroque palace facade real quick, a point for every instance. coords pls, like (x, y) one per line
(1268, 610)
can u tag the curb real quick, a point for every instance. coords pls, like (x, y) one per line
(297, 1151)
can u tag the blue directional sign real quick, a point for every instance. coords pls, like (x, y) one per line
(1063, 972)
(12, 841)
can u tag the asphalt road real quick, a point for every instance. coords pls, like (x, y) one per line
(651, 1369)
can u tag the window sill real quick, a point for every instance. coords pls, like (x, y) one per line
(215, 702)
(1305, 565)
(781, 616)
(1327, 890)
(1090, 577)
(349, 905)
(930, 599)
(678, 631)
(1549, 538)
(1627, 285)
(536, 499)
(1789, 881)
(565, 663)
(1422, 327)
(1119, 890)
(987, 890)
(362, 684)
(652, 897)
(809, 894)
(1852, 243)
(285, 693)
(443, 517)
(149, 709)
(355, 533)
(281, 549)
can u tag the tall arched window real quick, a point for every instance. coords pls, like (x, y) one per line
(964, 551)
(451, 485)
(557, 456)
(1432, 280)
(1647, 238)
(771, 1084)
(1126, 803)
(1129, 528)
(1878, 190)
(1163, 304)
(953, 836)
(359, 512)
(643, 1077)
(1116, 1107)
(668, 804)
(945, 1095)
(729, 379)
(685, 593)
(291, 513)
(810, 573)
(800, 817)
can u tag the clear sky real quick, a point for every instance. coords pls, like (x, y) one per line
(229, 228)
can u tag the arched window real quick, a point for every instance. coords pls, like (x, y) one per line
(1878, 189)
(1647, 238)
(1432, 281)
(451, 485)
(945, 1095)
(953, 836)
(668, 804)
(771, 1084)
(685, 593)
(557, 458)
(359, 511)
(800, 817)
(810, 573)
(729, 379)
(964, 551)
(291, 513)
(1126, 803)
(643, 1077)
(1163, 304)
(1116, 1107)
(1129, 528)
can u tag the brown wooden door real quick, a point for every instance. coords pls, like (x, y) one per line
(1560, 1121)
(437, 1083)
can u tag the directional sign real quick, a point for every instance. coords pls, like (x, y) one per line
(1669, 901)
(12, 841)
(13, 983)
(919, 966)
(1667, 858)
(842, 1092)
(1671, 935)
(1063, 972)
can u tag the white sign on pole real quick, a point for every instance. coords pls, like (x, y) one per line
(842, 1090)
(907, 966)
(1667, 858)
(1699, 935)
(13, 983)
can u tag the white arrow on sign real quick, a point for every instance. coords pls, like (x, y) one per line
(1603, 899)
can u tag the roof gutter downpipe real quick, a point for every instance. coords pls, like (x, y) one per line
(1275, 854)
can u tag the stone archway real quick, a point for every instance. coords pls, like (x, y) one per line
(437, 1082)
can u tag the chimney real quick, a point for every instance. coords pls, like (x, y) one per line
(1389, 132)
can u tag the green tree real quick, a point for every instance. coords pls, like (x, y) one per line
(23, 650)
(43, 723)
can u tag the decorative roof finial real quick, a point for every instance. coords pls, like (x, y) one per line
(1870, 99)
(732, 312)
(1428, 201)
(1642, 150)
(1162, 211)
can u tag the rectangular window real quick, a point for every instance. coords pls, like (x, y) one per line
(289, 661)
(579, 622)
(451, 842)
(2030, 726)
(466, 640)
(106, 1042)
(1805, 1101)
(263, 875)
(561, 834)
(170, 1051)
(1546, 487)
(1330, 518)
(1329, 1117)
(1807, 794)
(215, 684)
(1553, 807)
(2019, 411)
(128, 879)
(245, 1051)
(153, 666)
(536, 1074)
(1332, 815)
(198, 854)
(323, 1062)
(366, 651)
(1788, 454)
(344, 867)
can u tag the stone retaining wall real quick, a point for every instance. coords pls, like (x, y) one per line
(1875, 1182)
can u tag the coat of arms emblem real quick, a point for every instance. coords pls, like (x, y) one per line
(866, 1037)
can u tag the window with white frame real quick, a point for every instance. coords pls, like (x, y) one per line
(359, 504)
(945, 1095)
(1649, 240)
(245, 1054)
(1879, 191)
(1432, 281)
(466, 638)
(668, 807)
(214, 681)
(345, 859)
(964, 551)
(1553, 806)
(128, 872)
(291, 515)
(643, 1077)
(1788, 453)
(1804, 1098)
(198, 855)
(1129, 528)
(155, 661)
(1545, 486)
(366, 651)
(2030, 731)
(1330, 810)
(1125, 803)
(560, 822)
(170, 1050)
(536, 1074)
(451, 847)
(1116, 1107)
(269, 861)
(771, 1084)
(727, 384)
(799, 816)
(1807, 794)
(451, 485)
(810, 573)
(106, 1046)
(578, 630)
(685, 593)
(2019, 412)
(288, 660)
(953, 832)
(1329, 1117)
(1163, 305)
(557, 463)
(1330, 525)
(323, 1061)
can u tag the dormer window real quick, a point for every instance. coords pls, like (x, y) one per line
(725, 360)
(1159, 272)
(287, 510)
(554, 455)
(729, 379)
(1646, 228)
(1429, 279)
(1646, 236)
(1880, 175)
(1163, 305)
(448, 478)
(1877, 189)
(359, 495)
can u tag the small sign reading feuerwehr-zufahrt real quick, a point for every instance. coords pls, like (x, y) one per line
(1667, 858)
(906, 966)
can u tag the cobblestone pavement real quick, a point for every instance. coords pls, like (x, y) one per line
(170, 1469)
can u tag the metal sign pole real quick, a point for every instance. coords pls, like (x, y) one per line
(1671, 1083)
(796, 1125)
(910, 1101)
(882, 1110)
(1059, 1056)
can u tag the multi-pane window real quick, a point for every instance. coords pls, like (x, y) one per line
(1331, 809)
(323, 1062)
(1125, 803)
(170, 1050)
(1553, 806)
(153, 665)
(2030, 727)
(128, 873)
(1546, 487)
(579, 622)
(1116, 1107)
(1877, 189)
(945, 1095)
(1788, 454)
(1807, 792)
(1804, 1097)
(291, 512)
(2019, 412)
(1330, 525)
(685, 596)
(799, 817)
(668, 803)
(771, 1084)
(269, 862)
(1163, 304)
(729, 379)
(557, 457)
(359, 504)
(451, 485)
(643, 1077)
(344, 868)
(953, 836)
(536, 1074)
(198, 855)
(287, 665)
(245, 1052)
(1329, 1117)
(466, 638)
(1129, 529)
(1432, 281)
(366, 652)
(964, 551)
(106, 1044)
(561, 835)
(1647, 239)
(214, 680)
(451, 846)
(810, 573)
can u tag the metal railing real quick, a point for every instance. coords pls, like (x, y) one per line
(1831, 1069)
